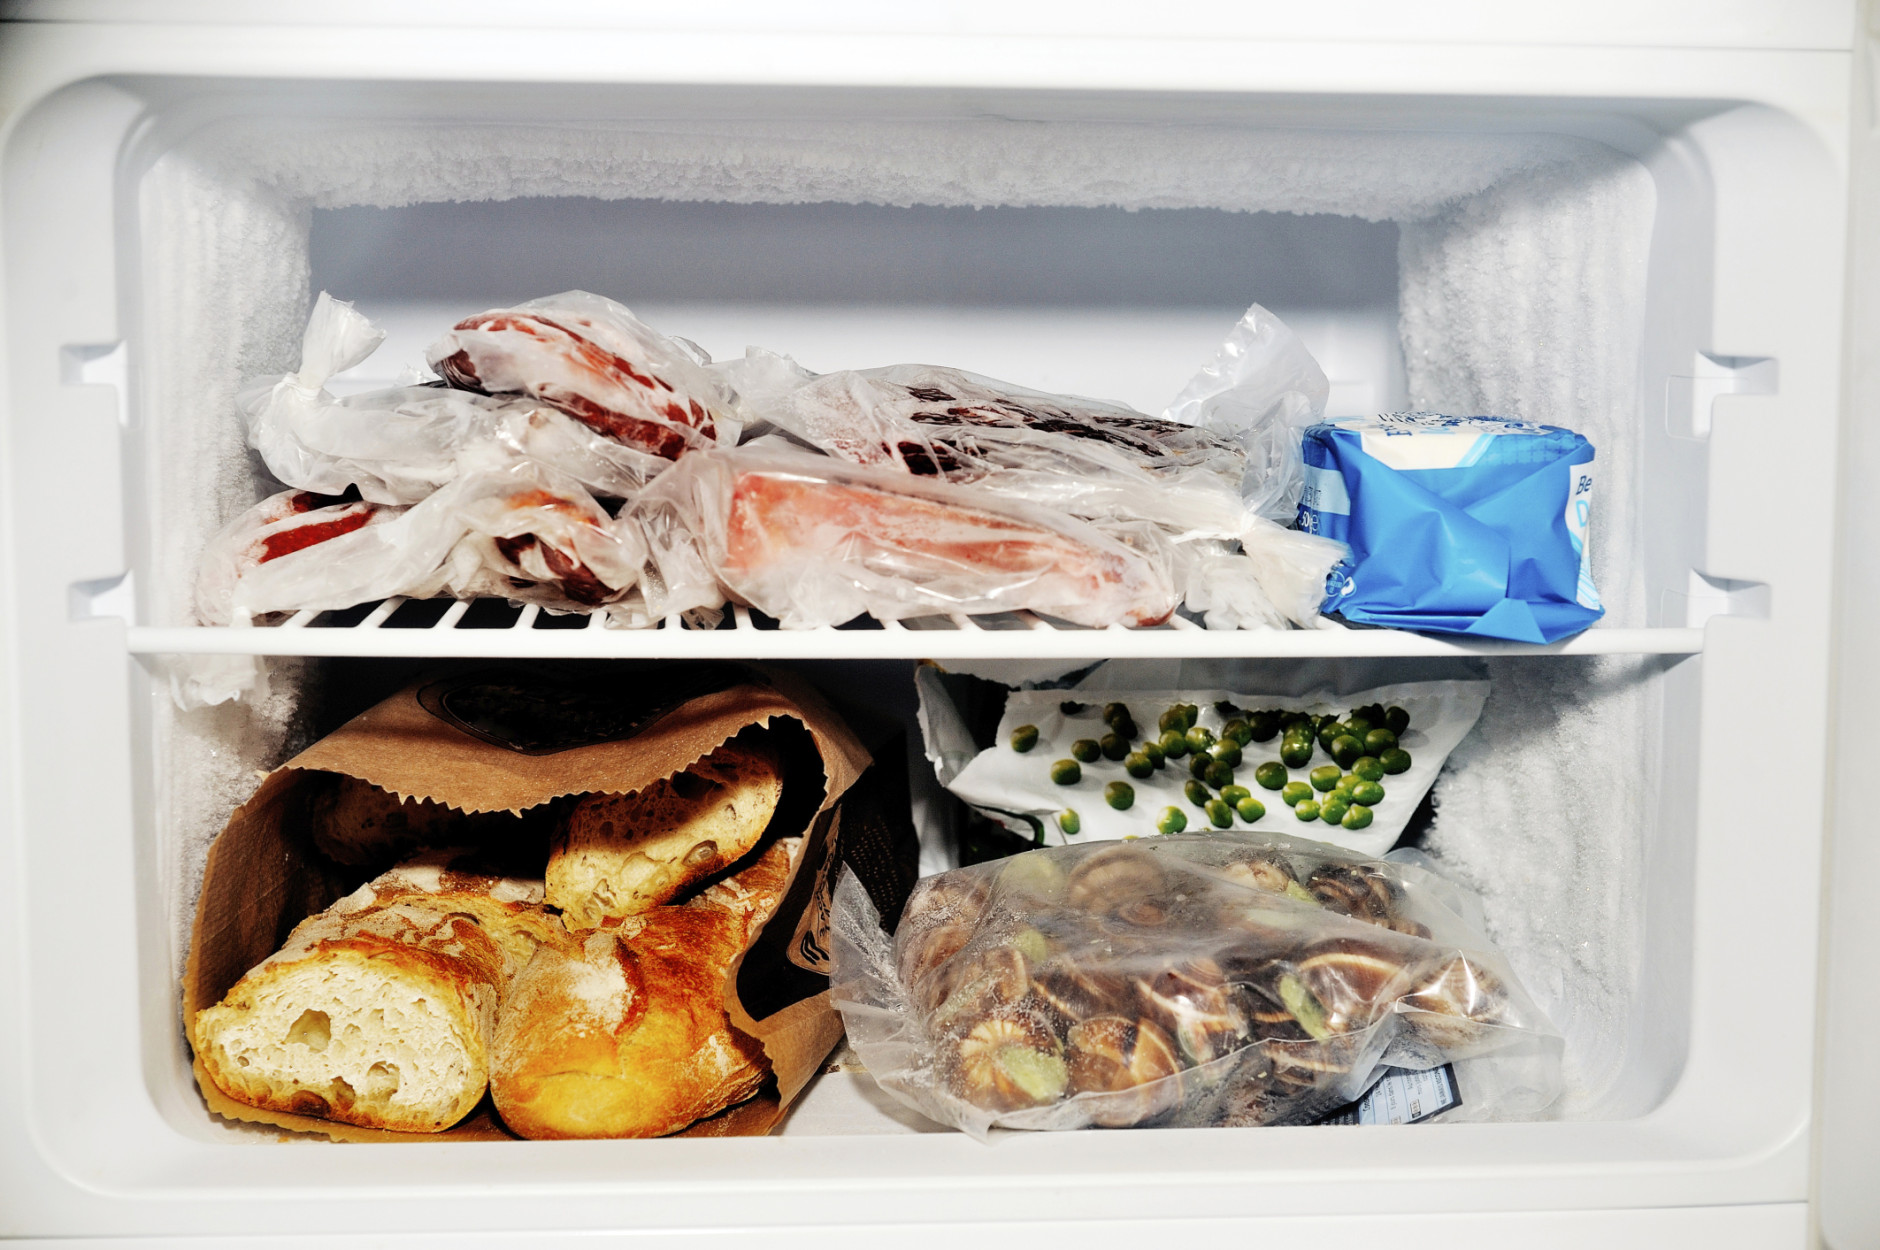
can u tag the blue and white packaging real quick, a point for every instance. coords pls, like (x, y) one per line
(1458, 525)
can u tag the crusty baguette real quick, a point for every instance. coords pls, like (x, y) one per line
(379, 1011)
(627, 1036)
(357, 823)
(622, 854)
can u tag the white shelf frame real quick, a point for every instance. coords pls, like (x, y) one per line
(1020, 635)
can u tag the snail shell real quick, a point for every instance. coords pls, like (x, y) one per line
(1355, 891)
(1007, 1061)
(991, 978)
(1194, 1004)
(937, 923)
(1128, 1060)
(1074, 992)
(1116, 875)
(1453, 1008)
(1355, 981)
(1262, 872)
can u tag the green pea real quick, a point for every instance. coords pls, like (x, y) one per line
(1375, 713)
(1152, 750)
(1225, 710)
(1262, 727)
(1357, 817)
(1379, 741)
(1070, 822)
(1120, 795)
(1369, 793)
(1114, 746)
(1087, 750)
(1227, 751)
(1306, 809)
(1296, 753)
(1111, 711)
(1367, 768)
(1239, 732)
(1250, 809)
(1172, 820)
(1174, 746)
(1190, 713)
(1359, 725)
(1173, 718)
(1346, 782)
(1219, 775)
(1346, 749)
(1396, 720)
(1066, 773)
(1323, 778)
(1394, 761)
(1196, 793)
(1198, 766)
(1200, 739)
(1070, 708)
(1024, 738)
(1331, 811)
(1137, 765)
(1125, 728)
(1328, 735)
(1270, 775)
(1220, 815)
(1234, 794)
(1295, 793)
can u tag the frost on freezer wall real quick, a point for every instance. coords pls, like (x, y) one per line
(1529, 299)
(1522, 280)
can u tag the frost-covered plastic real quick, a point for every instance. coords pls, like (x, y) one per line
(594, 360)
(814, 540)
(1213, 473)
(1230, 979)
(397, 446)
(277, 528)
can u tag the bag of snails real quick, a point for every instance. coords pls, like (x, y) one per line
(1227, 979)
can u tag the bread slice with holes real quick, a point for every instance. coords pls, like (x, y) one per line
(380, 1011)
(619, 855)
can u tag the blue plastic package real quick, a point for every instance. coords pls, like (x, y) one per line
(1457, 525)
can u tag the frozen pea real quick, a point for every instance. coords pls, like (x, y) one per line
(1227, 751)
(1066, 773)
(1263, 726)
(1173, 744)
(1332, 810)
(1113, 746)
(1237, 731)
(1070, 822)
(1220, 815)
(1153, 750)
(1368, 768)
(1368, 793)
(1024, 738)
(1394, 761)
(1120, 795)
(1346, 782)
(1379, 741)
(1296, 752)
(1225, 710)
(1200, 739)
(1324, 777)
(1125, 728)
(1219, 775)
(1234, 794)
(1306, 809)
(1356, 817)
(1295, 793)
(1396, 720)
(1196, 793)
(1113, 710)
(1070, 708)
(1198, 766)
(1173, 718)
(1250, 809)
(1270, 775)
(1347, 749)
(1359, 725)
(1137, 765)
(1086, 750)
(1172, 820)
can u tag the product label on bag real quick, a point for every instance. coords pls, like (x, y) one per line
(1402, 1096)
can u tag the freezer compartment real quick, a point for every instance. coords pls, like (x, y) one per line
(1570, 262)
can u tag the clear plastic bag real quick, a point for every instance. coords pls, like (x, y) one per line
(397, 446)
(518, 530)
(1227, 979)
(277, 528)
(594, 360)
(815, 541)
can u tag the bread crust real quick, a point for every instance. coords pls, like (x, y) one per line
(621, 855)
(380, 1010)
(627, 1036)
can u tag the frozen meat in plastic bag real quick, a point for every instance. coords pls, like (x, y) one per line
(815, 541)
(594, 360)
(277, 528)
(398, 445)
(520, 530)
(1098, 461)
(1226, 979)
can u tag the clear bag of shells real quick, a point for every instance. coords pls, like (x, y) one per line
(1226, 979)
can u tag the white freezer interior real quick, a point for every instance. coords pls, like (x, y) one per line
(1568, 264)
